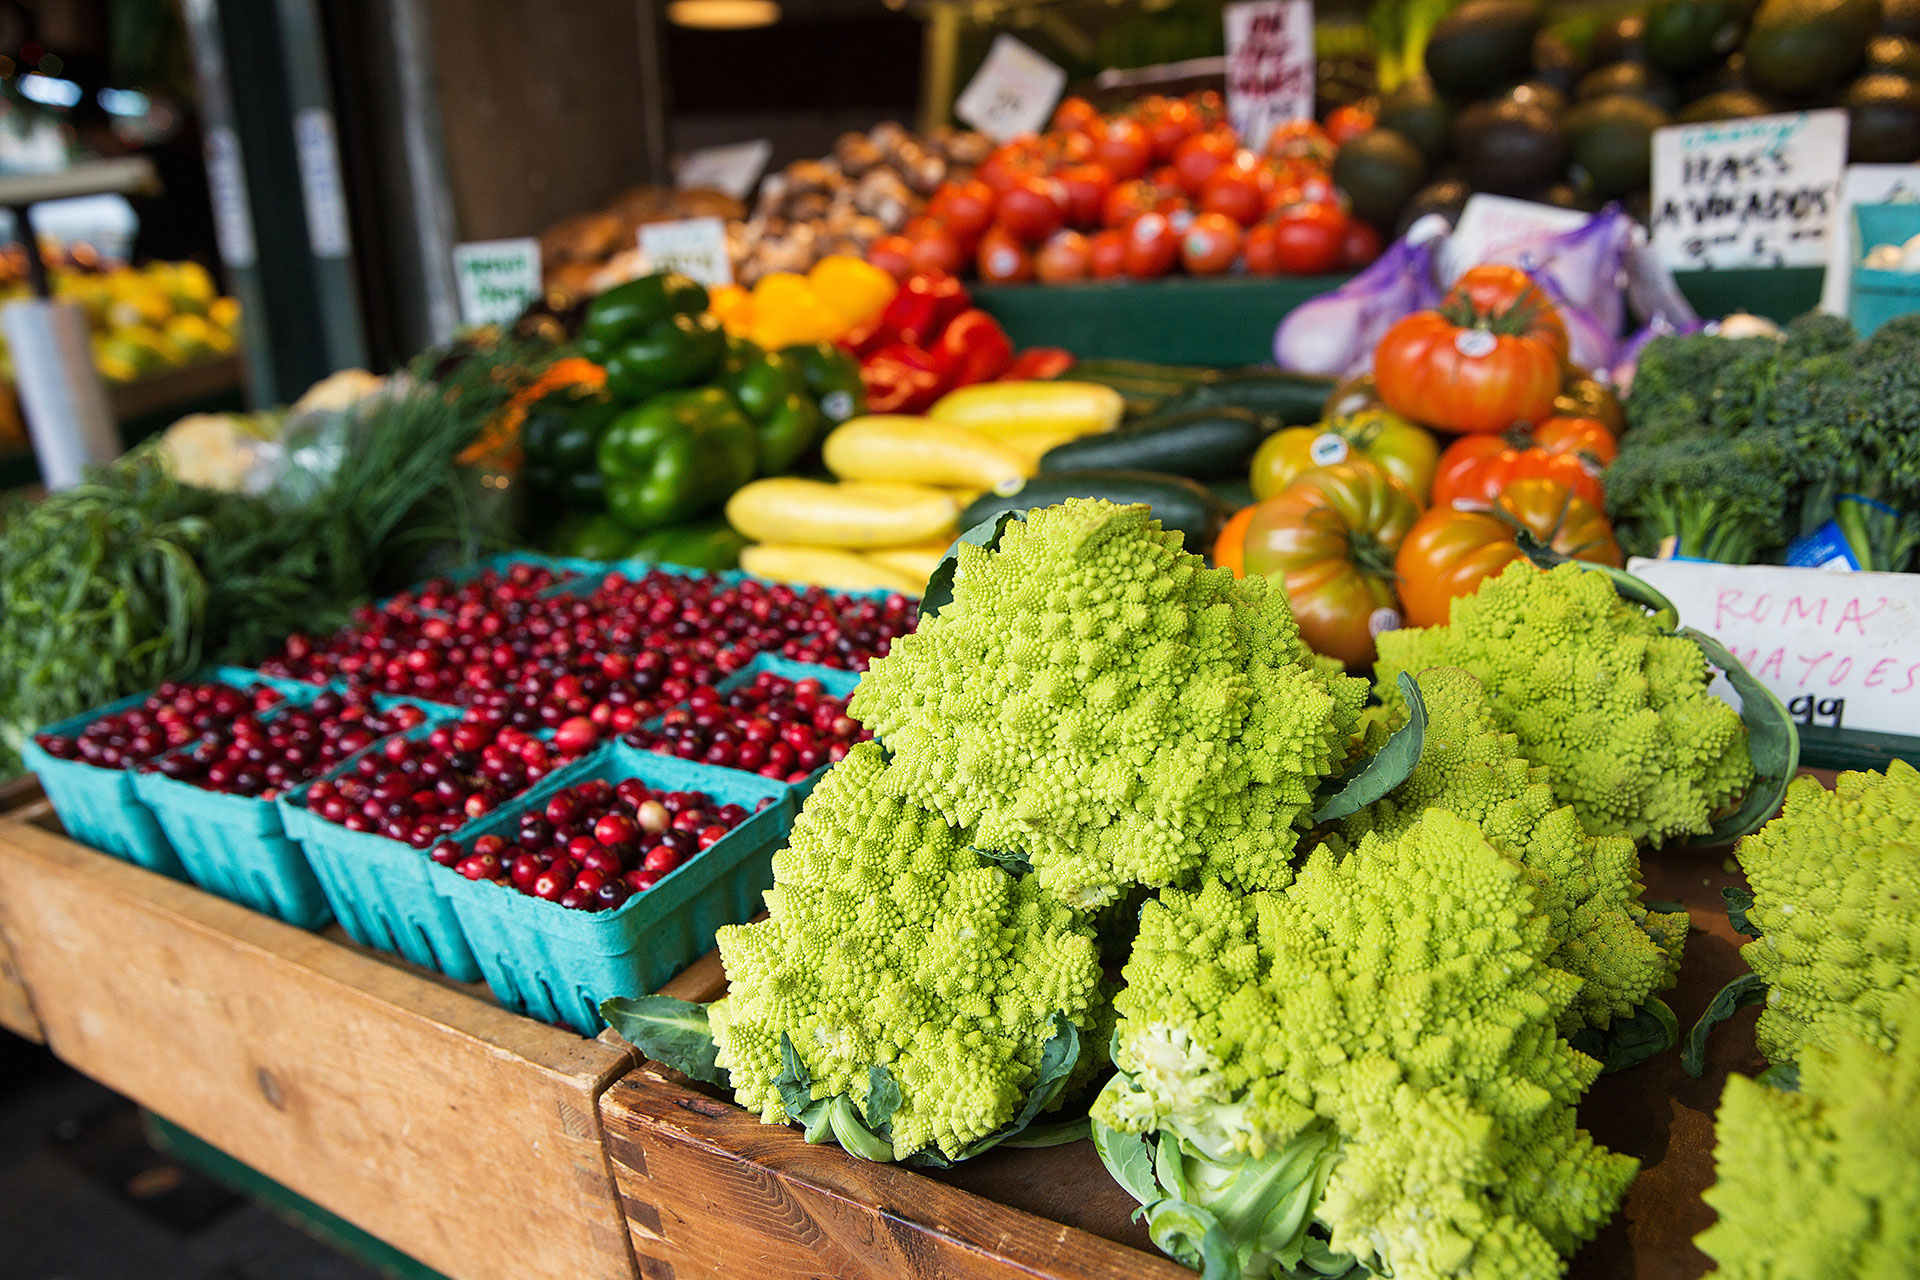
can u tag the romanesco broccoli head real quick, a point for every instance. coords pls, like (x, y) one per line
(1602, 694)
(1099, 703)
(1836, 896)
(890, 943)
(1823, 1183)
(1588, 887)
(1394, 1010)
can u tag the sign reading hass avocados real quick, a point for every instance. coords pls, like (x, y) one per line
(1755, 192)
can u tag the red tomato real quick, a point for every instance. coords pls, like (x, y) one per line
(966, 207)
(1238, 189)
(1348, 122)
(1075, 148)
(1033, 208)
(1210, 244)
(1166, 182)
(1361, 245)
(1008, 164)
(1448, 553)
(1074, 113)
(1263, 249)
(1107, 253)
(1307, 239)
(1086, 186)
(1300, 140)
(1002, 259)
(1064, 257)
(1127, 201)
(1198, 157)
(1126, 151)
(1318, 188)
(935, 250)
(893, 255)
(1152, 246)
(1464, 371)
(1172, 124)
(1208, 105)
(1573, 452)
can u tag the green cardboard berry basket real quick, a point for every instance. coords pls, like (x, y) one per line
(557, 964)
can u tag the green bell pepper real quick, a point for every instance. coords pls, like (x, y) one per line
(675, 457)
(561, 438)
(592, 537)
(653, 334)
(709, 544)
(741, 352)
(773, 391)
(763, 385)
(833, 379)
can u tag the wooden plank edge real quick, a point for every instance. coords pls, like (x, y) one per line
(651, 1106)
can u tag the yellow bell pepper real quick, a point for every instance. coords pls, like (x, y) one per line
(855, 291)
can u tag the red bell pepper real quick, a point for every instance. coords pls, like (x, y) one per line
(900, 379)
(1037, 364)
(922, 308)
(972, 348)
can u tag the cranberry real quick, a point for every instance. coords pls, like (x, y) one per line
(552, 883)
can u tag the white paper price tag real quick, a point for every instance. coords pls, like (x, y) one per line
(1759, 192)
(733, 168)
(1012, 93)
(497, 279)
(1491, 223)
(1842, 650)
(1270, 66)
(695, 247)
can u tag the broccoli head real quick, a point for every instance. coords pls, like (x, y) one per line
(1724, 500)
(1363, 1068)
(1823, 1183)
(1098, 703)
(1673, 387)
(890, 944)
(1599, 692)
(1588, 886)
(1836, 897)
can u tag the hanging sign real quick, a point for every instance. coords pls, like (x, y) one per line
(1012, 93)
(1759, 192)
(1841, 650)
(497, 279)
(695, 247)
(733, 168)
(1270, 66)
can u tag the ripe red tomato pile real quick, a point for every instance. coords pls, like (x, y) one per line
(1166, 185)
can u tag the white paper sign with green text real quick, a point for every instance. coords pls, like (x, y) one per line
(497, 279)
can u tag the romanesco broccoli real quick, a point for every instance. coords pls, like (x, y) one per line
(889, 943)
(1836, 896)
(1823, 1183)
(1598, 691)
(1097, 702)
(1372, 1050)
(1588, 886)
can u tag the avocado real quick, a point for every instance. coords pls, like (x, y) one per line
(1728, 104)
(1417, 112)
(1686, 35)
(1893, 56)
(1728, 73)
(1797, 46)
(1541, 94)
(1883, 120)
(1610, 140)
(1564, 195)
(1900, 18)
(1634, 78)
(1446, 197)
(1510, 147)
(1624, 40)
(1379, 170)
(1482, 43)
(1556, 61)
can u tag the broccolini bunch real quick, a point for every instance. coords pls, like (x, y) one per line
(1363, 1069)
(1099, 704)
(1599, 692)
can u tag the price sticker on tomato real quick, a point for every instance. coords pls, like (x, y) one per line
(1012, 93)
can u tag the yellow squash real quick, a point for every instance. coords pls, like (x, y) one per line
(855, 516)
(922, 451)
(917, 562)
(826, 567)
(1010, 410)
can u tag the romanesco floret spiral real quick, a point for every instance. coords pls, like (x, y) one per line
(1588, 886)
(1398, 999)
(1823, 1183)
(1601, 693)
(888, 942)
(1097, 701)
(1836, 896)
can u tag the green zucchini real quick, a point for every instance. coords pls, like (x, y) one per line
(1283, 399)
(1201, 444)
(1178, 503)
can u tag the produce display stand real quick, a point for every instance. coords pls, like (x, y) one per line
(416, 1109)
(1229, 320)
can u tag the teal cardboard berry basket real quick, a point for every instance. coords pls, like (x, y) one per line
(101, 807)
(558, 965)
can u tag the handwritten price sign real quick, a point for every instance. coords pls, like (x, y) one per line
(1842, 650)
(1270, 66)
(1012, 93)
(1759, 192)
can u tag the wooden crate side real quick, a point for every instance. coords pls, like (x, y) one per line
(459, 1133)
(16, 1012)
(710, 1191)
